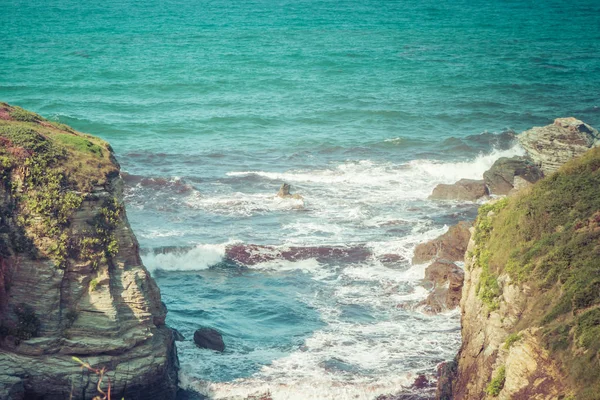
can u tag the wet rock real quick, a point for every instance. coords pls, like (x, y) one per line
(208, 338)
(446, 376)
(421, 382)
(251, 254)
(465, 189)
(553, 145)
(500, 178)
(394, 261)
(447, 279)
(284, 193)
(450, 246)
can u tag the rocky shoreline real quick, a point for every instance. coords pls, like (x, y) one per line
(72, 283)
(501, 357)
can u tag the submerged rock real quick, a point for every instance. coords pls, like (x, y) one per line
(284, 193)
(208, 338)
(449, 246)
(553, 145)
(500, 178)
(465, 189)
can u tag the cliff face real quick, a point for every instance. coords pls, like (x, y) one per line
(531, 297)
(71, 279)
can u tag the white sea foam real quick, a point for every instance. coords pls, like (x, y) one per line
(243, 204)
(310, 266)
(445, 172)
(372, 341)
(200, 257)
(159, 233)
(394, 140)
(373, 183)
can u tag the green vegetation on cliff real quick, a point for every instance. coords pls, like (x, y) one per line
(47, 169)
(548, 239)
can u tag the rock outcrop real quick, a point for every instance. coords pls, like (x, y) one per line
(71, 279)
(447, 279)
(508, 173)
(530, 306)
(450, 246)
(284, 193)
(553, 145)
(465, 189)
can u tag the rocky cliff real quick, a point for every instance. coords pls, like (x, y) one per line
(71, 279)
(531, 297)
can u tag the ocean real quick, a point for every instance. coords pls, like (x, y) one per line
(361, 106)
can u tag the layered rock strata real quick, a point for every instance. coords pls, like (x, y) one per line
(71, 279)
(553, 145)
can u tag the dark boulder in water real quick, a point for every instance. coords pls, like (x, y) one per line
(465, 189)
(500, 178)
(208, 338)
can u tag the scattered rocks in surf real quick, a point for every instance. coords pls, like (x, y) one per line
(465, 189)
(284, 193)
(500, 178)
(553, 145)
(208, 338)
(449, 246)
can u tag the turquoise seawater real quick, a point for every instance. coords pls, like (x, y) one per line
(362, 106)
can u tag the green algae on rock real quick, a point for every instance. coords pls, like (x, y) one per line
(71, 279)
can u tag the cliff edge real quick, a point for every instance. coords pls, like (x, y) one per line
(71, 279)
(531, 297)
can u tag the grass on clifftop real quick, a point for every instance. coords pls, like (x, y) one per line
(85, 160)
(548, 238)
(48, 169)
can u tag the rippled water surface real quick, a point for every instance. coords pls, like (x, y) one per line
(362, 106)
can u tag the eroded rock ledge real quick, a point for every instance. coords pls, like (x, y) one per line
(71, 279)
